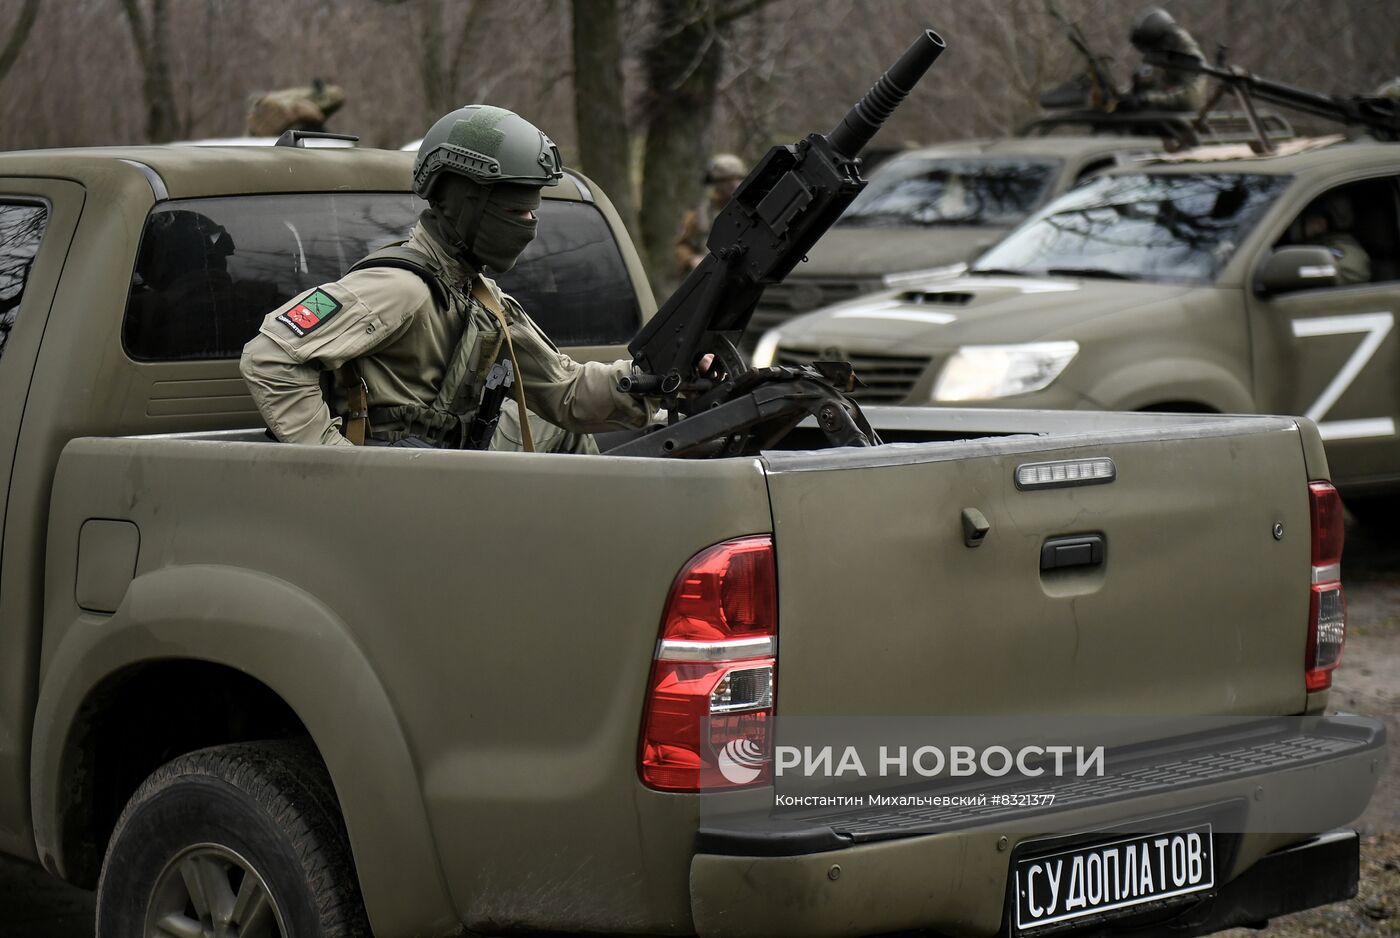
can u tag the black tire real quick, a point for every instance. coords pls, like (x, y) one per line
(267, 807)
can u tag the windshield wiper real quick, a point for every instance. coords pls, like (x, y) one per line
(1099, 272)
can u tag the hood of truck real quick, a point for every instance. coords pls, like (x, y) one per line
(870, 252)
(973, 310)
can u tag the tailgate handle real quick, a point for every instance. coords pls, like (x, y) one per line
(1080, 550)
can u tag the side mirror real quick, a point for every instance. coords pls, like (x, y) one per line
(1301, 267)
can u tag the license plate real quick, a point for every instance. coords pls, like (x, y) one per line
(1099, 878)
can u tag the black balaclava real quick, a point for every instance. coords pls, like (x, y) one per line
(475, 223)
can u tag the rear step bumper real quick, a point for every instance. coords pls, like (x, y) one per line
(830, 875)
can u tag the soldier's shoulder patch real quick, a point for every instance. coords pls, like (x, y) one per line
(314, 309)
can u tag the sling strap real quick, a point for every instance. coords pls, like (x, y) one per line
(349, 380)
(485, 298)
(401, 257)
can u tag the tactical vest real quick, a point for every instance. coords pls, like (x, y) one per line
(445, 422)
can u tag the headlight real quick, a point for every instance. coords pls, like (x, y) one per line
(765, 350)
(987, 372)
(933, 273)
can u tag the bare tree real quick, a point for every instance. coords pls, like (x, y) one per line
(443, 47)
(764, 62)
(150, 33)
(682, 64)
(1023, 49)
(792, 68)
(600, 112)
(27, 15)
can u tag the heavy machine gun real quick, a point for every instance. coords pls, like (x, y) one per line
(1378, 115)
(789, 200)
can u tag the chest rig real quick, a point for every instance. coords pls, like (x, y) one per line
(455, 419)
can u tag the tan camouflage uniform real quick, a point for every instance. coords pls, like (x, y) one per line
(1352, 262)
(1170, 89)
(419, 372)
(305, 108)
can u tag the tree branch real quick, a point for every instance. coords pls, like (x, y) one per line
(27, 15)
(135, 20)
(469, 27)
(739, 11)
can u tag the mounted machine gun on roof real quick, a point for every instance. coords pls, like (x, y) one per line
(1095, 103)
(779, 211)
(1378, 115)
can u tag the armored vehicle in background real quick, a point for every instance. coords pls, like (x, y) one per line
(936, 209)
(1188, 284)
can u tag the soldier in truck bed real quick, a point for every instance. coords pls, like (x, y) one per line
(1163, 89)
(414, 332)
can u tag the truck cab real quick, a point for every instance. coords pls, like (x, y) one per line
(938, 207)
(1180, 283)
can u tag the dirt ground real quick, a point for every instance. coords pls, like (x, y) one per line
(32, 905)
(1368, 682)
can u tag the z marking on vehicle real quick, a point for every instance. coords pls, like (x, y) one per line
(1376, 326)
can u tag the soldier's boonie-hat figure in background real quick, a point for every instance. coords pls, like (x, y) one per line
(305, 108)
(723, 173)
(424, 348)
(725, 166)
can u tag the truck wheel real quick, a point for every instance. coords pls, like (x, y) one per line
(241, 840)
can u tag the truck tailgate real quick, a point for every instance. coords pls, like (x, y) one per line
(1196, 608)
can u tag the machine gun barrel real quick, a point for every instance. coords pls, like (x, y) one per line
(787, 202)
(1381, 116)
(862, 121)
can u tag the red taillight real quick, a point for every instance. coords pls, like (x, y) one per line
(1328, 529)
(709, 709)
(1327, 612)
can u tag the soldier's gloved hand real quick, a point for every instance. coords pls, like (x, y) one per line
(705, 368)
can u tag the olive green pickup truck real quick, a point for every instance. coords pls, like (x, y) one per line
(263, 689)
(1213, 280)
(938, 207)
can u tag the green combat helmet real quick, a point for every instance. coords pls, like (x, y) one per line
(1152, 29)
(487, 145)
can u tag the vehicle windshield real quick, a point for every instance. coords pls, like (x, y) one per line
(967, 191)
(1169, 227)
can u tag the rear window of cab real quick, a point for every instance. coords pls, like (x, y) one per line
(209, 270)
